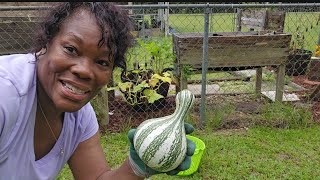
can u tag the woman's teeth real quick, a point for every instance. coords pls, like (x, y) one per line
(74, 89)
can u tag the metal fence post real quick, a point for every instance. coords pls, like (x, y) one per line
(204, 67)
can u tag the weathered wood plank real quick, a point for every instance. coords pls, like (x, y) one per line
(228, 51)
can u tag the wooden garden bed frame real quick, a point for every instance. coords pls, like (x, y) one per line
(234, 50)
(264, 44)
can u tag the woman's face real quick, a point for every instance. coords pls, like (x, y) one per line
(74, 68)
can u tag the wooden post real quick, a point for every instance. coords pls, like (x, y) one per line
(182, 80)
(111, 94)
(238, 19)
(258, 80)
(166, 20)
(161, 17)
(105, 120)
(130, 10)
(280, 82)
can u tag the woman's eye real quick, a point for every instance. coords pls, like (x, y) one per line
(103, 63)
(71, 50)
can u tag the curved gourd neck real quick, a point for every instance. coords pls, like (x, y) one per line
(184, 101)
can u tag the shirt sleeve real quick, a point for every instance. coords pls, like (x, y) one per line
(9, 104)
(90, 121)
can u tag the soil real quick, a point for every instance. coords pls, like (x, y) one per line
(123, 117)
(310, 86)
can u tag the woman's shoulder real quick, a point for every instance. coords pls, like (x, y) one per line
(20, 70)
(84, 122)
(83, 117)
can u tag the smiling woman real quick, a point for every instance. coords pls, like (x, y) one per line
(74, 67)
(46, 119)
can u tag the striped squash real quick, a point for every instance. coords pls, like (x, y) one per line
(161, 142)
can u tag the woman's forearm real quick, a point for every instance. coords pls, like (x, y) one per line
(124, 172)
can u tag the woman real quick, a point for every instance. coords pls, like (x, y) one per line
(46, 119)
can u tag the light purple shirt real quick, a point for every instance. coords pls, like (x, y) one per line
(17, 119)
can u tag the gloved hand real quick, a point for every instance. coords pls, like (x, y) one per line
(143, 170)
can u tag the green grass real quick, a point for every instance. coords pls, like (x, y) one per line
(257, 153)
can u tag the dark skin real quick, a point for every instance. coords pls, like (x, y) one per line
(71, 72)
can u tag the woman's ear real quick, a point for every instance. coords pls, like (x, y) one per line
(42, 51)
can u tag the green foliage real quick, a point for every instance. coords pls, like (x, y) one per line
(216, 113)
(147, 77)
(187, 71)
(236, 86)
(286, 115)
(159, 54)
(268, 76)
(298, 39)
(141, 89)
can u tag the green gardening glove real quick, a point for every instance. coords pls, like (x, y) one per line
(142, 170)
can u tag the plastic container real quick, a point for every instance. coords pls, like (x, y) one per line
(195, 158)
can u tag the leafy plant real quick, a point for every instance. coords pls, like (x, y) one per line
(142, 84)
(298, 42)
(159, 53)
(143, 89)
(187, 71)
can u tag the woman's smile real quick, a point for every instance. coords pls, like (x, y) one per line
(73, 92)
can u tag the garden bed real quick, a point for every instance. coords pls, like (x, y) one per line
(123, 117)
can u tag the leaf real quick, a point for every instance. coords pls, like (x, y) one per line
(140, 86)
(124, 86)
(113, 88)
(166, 79)
(153, 82)
(166, 74)
(136, 71)
(162, 78)
(152, 95)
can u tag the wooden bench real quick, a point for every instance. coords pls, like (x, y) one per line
(233, 50)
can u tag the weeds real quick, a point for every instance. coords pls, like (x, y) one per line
(255, 112)
(286, 115)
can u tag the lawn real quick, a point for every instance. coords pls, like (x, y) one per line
(262, 141)
(254, 153)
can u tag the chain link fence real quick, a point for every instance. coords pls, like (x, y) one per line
(218, 51)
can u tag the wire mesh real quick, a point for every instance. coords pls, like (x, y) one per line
(265, 50)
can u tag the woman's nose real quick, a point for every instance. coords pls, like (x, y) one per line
(83, 69)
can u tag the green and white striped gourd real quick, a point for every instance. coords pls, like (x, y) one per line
(161, 142)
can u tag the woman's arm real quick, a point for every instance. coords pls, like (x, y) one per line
(88, 162)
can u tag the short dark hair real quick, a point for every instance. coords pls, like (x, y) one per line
(110, 17)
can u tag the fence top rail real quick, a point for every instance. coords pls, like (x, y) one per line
(208, 5)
